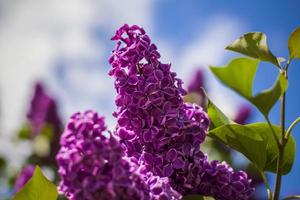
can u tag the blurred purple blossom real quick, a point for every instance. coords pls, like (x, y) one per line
(243, 114)
(42, 111)
(23, 177)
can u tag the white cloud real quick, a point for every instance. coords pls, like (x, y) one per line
(35, 35)
(208, 49)
(38, 34)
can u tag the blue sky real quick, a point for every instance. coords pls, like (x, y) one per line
(66, 44)
(178, 20)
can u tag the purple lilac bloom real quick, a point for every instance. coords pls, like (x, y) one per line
(91, 166)
(43, 110)
(24, 176)
(158, 128)
(195, 88)
(243, 114)
(197, 82)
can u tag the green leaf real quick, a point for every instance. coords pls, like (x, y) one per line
(239, 75)
(216, 116)
(255, 141)
(254, 45)
(25, 132)
(37, 188)
(197, 197)
(294, 44)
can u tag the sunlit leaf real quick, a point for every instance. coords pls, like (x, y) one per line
(294, 44)
(255, 141)
(254, 45)
(37, 188)
(216, 116)
(239, 75)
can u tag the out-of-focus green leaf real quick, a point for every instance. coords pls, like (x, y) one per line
(41, 145)
(48, 131)
(255, 141)
(193, 97)
(254, 44)
(24, 132)
(37, 188)
(197, 197)
(239, 75)
(294, 43)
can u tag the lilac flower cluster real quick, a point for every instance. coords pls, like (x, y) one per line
(23, 177)
(158, 129)
(43, 110)
(92, 166)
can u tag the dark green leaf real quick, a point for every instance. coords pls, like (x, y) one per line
(254, 45)
(37, 188)
(294, 43)
(197, 197)
(239, 75)
(255, 141)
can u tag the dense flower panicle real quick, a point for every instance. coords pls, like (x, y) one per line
(91, 165)
(243, 114)
(154, 124)
(43, 110)
(218, 179)
(24, 176)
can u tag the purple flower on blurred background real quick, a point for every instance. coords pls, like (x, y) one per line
(158, 128)
(24, 176)
(243, 114)
(91, 165)
(43, 110)
(197, 82)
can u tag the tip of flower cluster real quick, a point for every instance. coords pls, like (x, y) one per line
(154, 124)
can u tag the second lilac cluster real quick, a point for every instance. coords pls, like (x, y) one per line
(158, 129)
(92, 165)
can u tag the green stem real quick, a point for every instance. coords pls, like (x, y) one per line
(282, 142)
(269, 191)
(278, 174)
(292, 197)
(288, 132)
(273, 131)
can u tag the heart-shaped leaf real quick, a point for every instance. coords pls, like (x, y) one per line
(254, 45)
(294, 44)
(239, 75)
(37, 188)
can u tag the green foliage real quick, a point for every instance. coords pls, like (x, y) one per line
(25, 132)
(197, 197)
(216, 116)
(255, 141)
(239, 75)
(294, 44)
(254, 45)
(37, 188)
